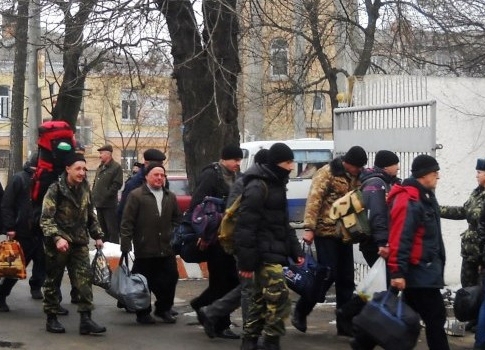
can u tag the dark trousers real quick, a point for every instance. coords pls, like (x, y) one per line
(339, 257)
(33, 249)
(223, 278)
(108, 220)
(162, 277)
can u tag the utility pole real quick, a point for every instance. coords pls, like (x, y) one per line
(34, 112)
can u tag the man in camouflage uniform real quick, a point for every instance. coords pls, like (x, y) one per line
(263, 241)
(471, 240)
(329, 183)
(470, 211)
(68, 220)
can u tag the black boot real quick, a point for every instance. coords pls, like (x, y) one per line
(3, 304)
(88, 326)
(53, 325)
(271, 343)
(299, 321)
(249, 343)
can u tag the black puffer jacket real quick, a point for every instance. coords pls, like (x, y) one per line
(262, 233)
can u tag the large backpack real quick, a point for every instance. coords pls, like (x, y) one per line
(56, 141)
(351, 217)
(228, 223)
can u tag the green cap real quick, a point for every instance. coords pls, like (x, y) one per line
(64, 146)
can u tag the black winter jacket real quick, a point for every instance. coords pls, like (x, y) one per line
(263, 233)
(17, 212)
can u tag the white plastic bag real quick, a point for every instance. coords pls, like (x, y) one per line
(374, 281)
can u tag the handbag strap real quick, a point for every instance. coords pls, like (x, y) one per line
(399, 301)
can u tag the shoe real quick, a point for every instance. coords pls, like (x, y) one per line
(145, 319)
(61, 311)
(88, 326)
(53, 325)
(166, 316)
(227, 334)
(299, 322)
(344, 324)
(3, 305)
(36, 294)
(206, 322)
(174, 312)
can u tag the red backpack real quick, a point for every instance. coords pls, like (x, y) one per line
(56, 141)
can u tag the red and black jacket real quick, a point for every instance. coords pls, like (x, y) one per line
(416, 249)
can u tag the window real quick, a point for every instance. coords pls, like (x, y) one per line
(4, 158)
(4, 102)
(128, 105)
(319, 102)
(84, 131)
(128, 158)
(279, 58)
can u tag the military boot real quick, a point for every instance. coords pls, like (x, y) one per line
(249, 343)
(53, 325)
(88, 326)
(271, 343)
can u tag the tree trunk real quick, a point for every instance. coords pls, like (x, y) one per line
(18, 89)
(206, 76)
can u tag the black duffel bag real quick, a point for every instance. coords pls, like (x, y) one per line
(391, 323)
(467, 303)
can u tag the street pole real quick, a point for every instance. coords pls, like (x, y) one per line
(33, 92)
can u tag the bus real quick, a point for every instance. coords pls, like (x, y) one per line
(310, 155)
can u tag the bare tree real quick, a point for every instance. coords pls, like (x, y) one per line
(18, 89)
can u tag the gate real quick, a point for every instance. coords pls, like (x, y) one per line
(387, 112)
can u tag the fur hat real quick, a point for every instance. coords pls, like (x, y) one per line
(231, 152)
(73, 158)
(280, 152)
(153, 155)
(356, 156)
(385, 158)
(108, 148)
(480, 164)
(423, 165)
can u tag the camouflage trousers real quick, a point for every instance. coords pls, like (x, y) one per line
(269, 304)
(76, 259)
(469, 275)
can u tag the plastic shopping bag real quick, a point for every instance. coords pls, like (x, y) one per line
(101, 270)
(374, 281)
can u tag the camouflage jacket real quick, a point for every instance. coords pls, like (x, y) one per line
(328, 184)
(471, 240)
(69, 213)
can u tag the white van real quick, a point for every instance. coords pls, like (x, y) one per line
(310, 154)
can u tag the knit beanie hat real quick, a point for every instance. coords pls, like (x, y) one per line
(423, 165)
(356, 156)
(153, 155)
(385, 158)
(73, 158)
(480, 164)
(153, 165)
(280, 152)
(231, 152)
(261, 157)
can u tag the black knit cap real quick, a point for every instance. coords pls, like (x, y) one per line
(153, 165)
(385, 158)
(356, 156)
(231, 152)
(73, 158)
(280, 152)
(261, 156)
(423, 165)
(153, 155)
(480, 164)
